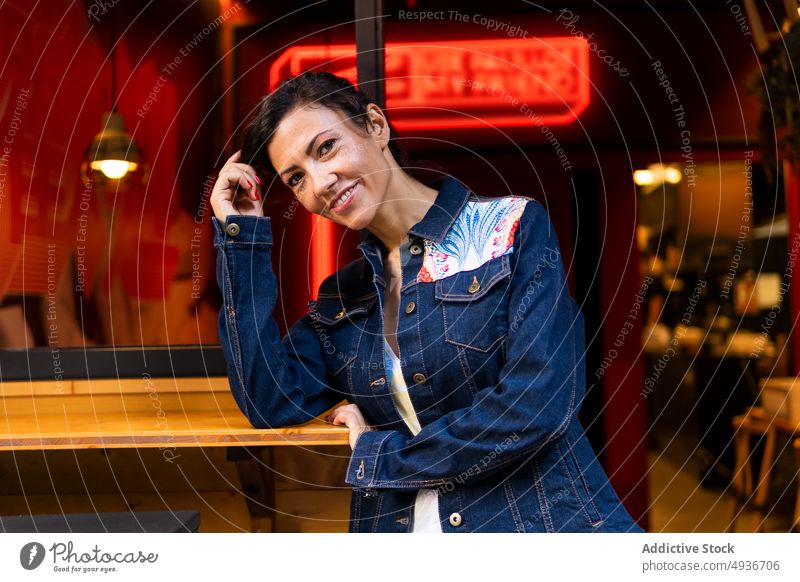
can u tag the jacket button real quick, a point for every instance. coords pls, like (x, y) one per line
(232, 229)
(410, 307)
(419, 378)
(339, 315)
(455, 519)
(415, 249)
(474, 286)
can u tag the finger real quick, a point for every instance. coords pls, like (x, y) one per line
(338, 416)
(240, 166)
(249, 180)
(333, 416)
(344, 417)
(254, 180)
(235, 157)
(347, 409)
(238, 174)
(239, 177)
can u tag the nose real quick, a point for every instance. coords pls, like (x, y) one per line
(323, 181)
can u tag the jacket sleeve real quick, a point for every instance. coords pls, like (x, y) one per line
(534, 400)
(275, 382)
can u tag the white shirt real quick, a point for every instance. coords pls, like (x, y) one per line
(426, 506)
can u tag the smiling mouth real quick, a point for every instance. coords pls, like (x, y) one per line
(344, 200)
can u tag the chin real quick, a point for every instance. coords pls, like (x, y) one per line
(357, 224)
(359, 220)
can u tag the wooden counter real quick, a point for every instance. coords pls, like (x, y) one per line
(170, 414)
(141, 414)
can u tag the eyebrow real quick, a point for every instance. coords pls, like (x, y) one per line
(308, 152)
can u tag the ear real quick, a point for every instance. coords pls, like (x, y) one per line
(378, 126)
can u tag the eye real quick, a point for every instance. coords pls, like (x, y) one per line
(326, 145)
(291, 181)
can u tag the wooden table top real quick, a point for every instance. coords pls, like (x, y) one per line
(155, 420)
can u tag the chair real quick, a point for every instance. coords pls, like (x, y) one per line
(757, 422)
(744, 494)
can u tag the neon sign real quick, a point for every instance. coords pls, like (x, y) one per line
(466, 84)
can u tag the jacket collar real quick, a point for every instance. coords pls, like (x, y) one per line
(449, 203)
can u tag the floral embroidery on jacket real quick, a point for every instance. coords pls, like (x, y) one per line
(483, 231)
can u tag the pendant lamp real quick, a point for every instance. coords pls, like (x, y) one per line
(113, 154)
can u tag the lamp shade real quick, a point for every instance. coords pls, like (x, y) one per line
(112, 151)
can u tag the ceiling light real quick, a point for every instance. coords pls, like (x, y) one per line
(643, 177)
(113, 153)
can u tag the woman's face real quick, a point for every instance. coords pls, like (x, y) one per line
(334, 168)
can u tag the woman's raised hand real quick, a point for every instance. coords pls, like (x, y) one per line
(236, 190)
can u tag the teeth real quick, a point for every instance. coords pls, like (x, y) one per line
(344, 197)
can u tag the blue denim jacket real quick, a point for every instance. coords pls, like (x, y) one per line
(492, 351)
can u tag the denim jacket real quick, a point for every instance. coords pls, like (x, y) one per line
(492, 351)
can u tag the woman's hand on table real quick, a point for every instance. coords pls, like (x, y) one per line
(350, 415)
(236, 190)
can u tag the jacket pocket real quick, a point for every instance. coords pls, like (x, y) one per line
(475, 305)
(336, 310)
(339, 323)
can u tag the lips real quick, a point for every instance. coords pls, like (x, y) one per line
(347, 197)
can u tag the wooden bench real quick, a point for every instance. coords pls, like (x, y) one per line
(163, 413)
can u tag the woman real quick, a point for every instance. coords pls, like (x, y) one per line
(453, 337)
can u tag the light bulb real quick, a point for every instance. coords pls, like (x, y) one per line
(114, 169)
(672, 175)
(643, 177)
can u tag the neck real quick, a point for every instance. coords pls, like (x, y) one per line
(407, 201)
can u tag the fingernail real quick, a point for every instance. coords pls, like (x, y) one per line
(258, 179)
(258, 196)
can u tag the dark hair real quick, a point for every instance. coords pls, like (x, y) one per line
(309, 88)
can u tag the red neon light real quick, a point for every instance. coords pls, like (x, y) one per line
(322, 251)
(512, 82)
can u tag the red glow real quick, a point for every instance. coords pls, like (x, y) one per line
(322, 251)
(514, 82)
